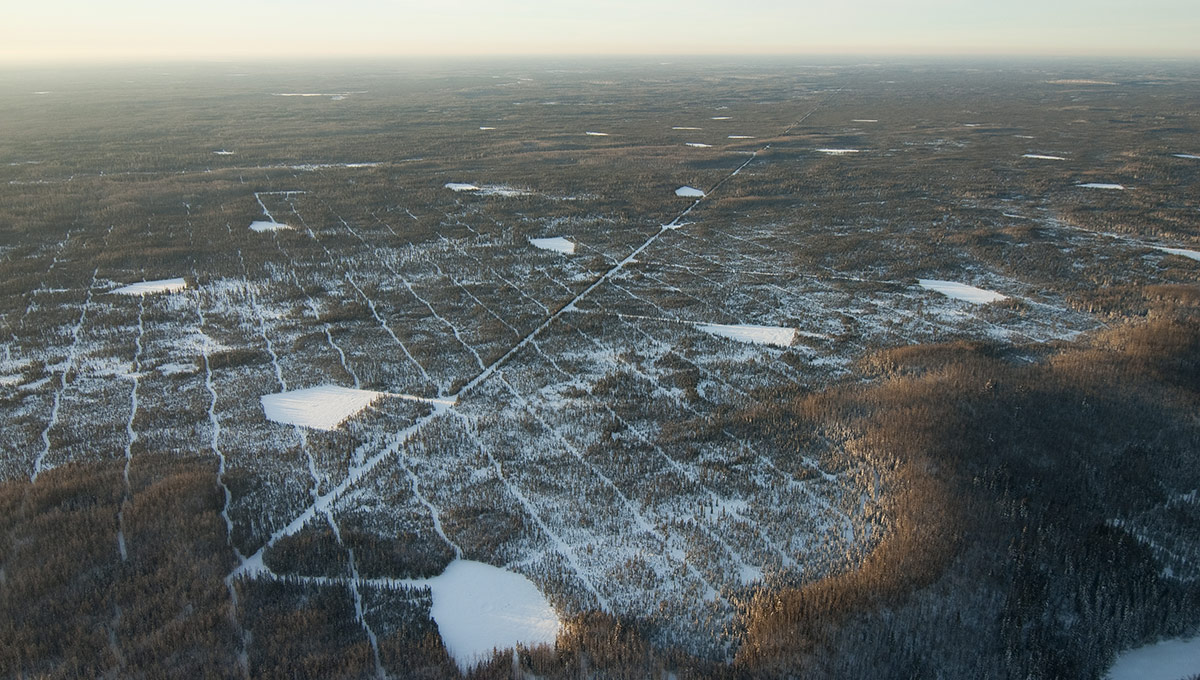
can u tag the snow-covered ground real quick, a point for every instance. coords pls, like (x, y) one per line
(1043, 157)
(322, 408)
(557, 244)
(488, 189)
(150, 287)
(698, 145)
(592, 133)
(838, 152)
(1183, 252)
(1190, 156)
(1102, 185)
(689, 192)
(262, 226)
(758, 335)
(478, 608)
(961, 291)
(1166, 660)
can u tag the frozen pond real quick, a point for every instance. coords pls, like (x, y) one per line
(148, 287)
(557, 244)
(322, 408)
(961, 291)
(1166, 660)
(478, 608)
(757, 335)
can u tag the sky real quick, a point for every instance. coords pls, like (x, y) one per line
(131, 30)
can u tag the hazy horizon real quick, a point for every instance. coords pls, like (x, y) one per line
(71, 31)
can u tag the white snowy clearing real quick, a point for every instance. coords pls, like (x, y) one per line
(223, 152)
(961, 291)
(1191, 156)
(698, 145)
(677, 127)
(758, 335)
(486, 127)
(478, 608)
(176, 368)
(690, 192)
(557, 244)
(1184, 252)
(1166, 660)
(865, 120)
(265, 225)
(740, 137)
(1043, 157)
(722, 117)
(149, 287)
(1101, 185)
(488, 189)
(323, 407)
(596, 134)
(838, 152)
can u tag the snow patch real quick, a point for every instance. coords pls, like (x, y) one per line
(486, 127)
(1166, 660)
(698, 145)
(758, 335)
(557, 244)
(740, 137)
(864, 120)
(1043, 157)
(264, 225)
(1101, 185)
(223, 152)
(1183, 252)
(677, 127)
(177, 369)
(322, 408)
(722, 117)
(689, 192)
(149, 287)
(488, 189)
(961, 291)
(838, 152)
(478, 608)
(1191, 156)
(596, 134)
(10, 380)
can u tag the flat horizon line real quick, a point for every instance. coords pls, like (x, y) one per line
(103, 62)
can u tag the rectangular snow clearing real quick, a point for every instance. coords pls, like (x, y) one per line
(1190, 156)
(689, 192)
(321, 408)
(757, 335)
(961, 291)
(698, 145)
(1043, 157)
(478, 608)
(557, 244)
(149, 287)
(1182, 252)
(262, 226)
(1101, 185)
(838, 152)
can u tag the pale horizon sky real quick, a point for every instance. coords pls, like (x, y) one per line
(65, 31)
